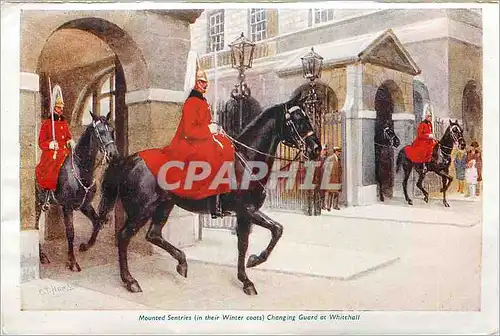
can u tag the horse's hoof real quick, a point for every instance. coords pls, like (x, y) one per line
(426, 199)
(253, 260)
(446, 204)
(133, 287)
(410, 202)
(73, 266)
(182, 269)
(83, 247)
(250, 290)
(44, 259)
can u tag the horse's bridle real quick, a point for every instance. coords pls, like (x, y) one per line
(103, 145)
(388, 137)
(456, 139)
(295, 134)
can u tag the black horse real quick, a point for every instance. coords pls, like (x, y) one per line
(440, 163)
(385, 140)
(76, 185)
(143, 199)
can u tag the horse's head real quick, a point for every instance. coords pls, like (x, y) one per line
(457, 134)
(105, 136)
(389, 135)
(298, 131)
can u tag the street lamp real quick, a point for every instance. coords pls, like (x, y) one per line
(312, 64)
(242, 52)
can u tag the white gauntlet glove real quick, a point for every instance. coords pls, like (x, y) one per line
(214, 128)
(53, 145)
(71, 143)
(431, 136)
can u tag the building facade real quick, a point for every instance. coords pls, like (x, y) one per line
(418, 59)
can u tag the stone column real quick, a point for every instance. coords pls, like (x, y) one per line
(29, 113)
(353, 141)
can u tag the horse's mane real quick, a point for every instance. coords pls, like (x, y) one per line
(260, 119)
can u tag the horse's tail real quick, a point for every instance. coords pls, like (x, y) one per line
(400, 159)
(109, 189)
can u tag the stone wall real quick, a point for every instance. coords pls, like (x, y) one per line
(432, 58)
(29, 106)
(466, 62)
(374, 76)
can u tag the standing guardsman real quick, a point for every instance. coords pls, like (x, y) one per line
(54, 140)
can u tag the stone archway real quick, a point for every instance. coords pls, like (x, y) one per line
(78, 55)
(388, 101)
(472, 111)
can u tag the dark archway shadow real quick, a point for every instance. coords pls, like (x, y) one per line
(472, 112)
(388, 100)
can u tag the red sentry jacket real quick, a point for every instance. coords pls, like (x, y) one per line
(421, 149)
(192, 141)
(47, 171)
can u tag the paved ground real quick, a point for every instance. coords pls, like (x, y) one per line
(437, 267)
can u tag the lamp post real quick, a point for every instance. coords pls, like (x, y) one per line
(312, 64)
(242, 50)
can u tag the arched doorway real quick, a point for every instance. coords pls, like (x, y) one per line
(388, 100)
(92, 78)
(472, 112)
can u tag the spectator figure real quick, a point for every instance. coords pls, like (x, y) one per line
(322, 158)
(460, 166)
(475, 154)
(333, 166)
(471, 175)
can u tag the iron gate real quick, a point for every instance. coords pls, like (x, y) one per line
(329, 125)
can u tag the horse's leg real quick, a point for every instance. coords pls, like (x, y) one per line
(407, 168)
(447, 179)
(276, 229)
(154, 236)
(70, 235)
(421, 177)
(38, 212)
(88, 210)
(132, 225)
(243, 232)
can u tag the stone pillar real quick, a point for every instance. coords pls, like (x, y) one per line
(353, 133)
(29, 107)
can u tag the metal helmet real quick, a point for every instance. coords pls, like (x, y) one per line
(201, 75)
(57, 98)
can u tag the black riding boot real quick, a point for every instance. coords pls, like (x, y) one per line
(214, 206)
(47, 195)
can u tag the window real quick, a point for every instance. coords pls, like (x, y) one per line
(216, 31)
(322, 15)
(101, 100)
(258, 24)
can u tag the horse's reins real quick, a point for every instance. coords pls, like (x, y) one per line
(106, 158)
(386, 136)
(455, 139)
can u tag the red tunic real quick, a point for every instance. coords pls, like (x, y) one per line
(193, 141)
(421, 149)
(47, 171)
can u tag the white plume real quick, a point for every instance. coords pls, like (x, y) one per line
(190, 78)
